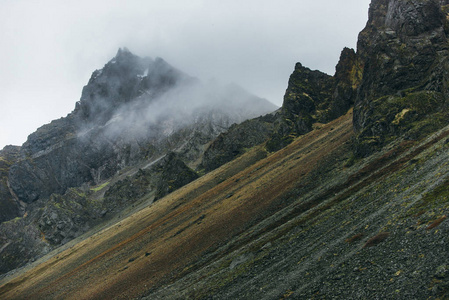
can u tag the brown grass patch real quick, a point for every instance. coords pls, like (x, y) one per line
(355, 238)
(436, 222)
(377, 239)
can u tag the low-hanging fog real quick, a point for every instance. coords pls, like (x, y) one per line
(186, 104)
(160, 100)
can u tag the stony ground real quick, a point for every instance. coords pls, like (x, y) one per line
(383, 237)
(309, 221)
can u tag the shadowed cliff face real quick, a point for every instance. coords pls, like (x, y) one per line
(10, 207)
(315, 97)
(404, 51)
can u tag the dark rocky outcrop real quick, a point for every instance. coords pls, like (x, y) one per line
(65, 217)
(236, 140)
(315, 97)
(162, 178)
(404, 51)
(171, 174)
(311, 97)
(307, 97)
(46, 225)
(10, 207)
(348, 74)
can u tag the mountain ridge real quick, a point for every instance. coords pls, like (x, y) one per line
(342, 193)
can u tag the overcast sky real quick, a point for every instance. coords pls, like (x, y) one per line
(49, 48)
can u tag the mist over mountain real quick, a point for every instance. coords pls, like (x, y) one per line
(130, 110)
(160, 186)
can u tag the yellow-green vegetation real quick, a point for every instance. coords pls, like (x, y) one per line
(15, 220)
(79, 193)
(100, 187)
(400, 116)
(437, 198)
(4, 165)
(413, 115)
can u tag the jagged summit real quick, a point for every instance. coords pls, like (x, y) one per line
(123, 54)
(122, 51)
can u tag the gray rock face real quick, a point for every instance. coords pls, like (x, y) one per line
(404, 51)
(401, 46)
(162, 178)
(10, 207)
(313, 96)
(46, 225)
(66, 217)
(233, 142)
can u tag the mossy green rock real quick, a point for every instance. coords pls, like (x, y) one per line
(313, 96)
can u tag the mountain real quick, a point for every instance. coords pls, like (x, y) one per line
(341, 193)
(135, 114)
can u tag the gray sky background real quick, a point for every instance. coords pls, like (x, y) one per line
(49, 48)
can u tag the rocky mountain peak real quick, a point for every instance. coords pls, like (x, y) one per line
(315, 97)
(132, 109)
(404, 53)
(116, 83)
(406, 18)
(123, 52)
(135, 116)
(307, 91)
(345, 64)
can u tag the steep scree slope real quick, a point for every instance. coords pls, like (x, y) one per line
(304, 222)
